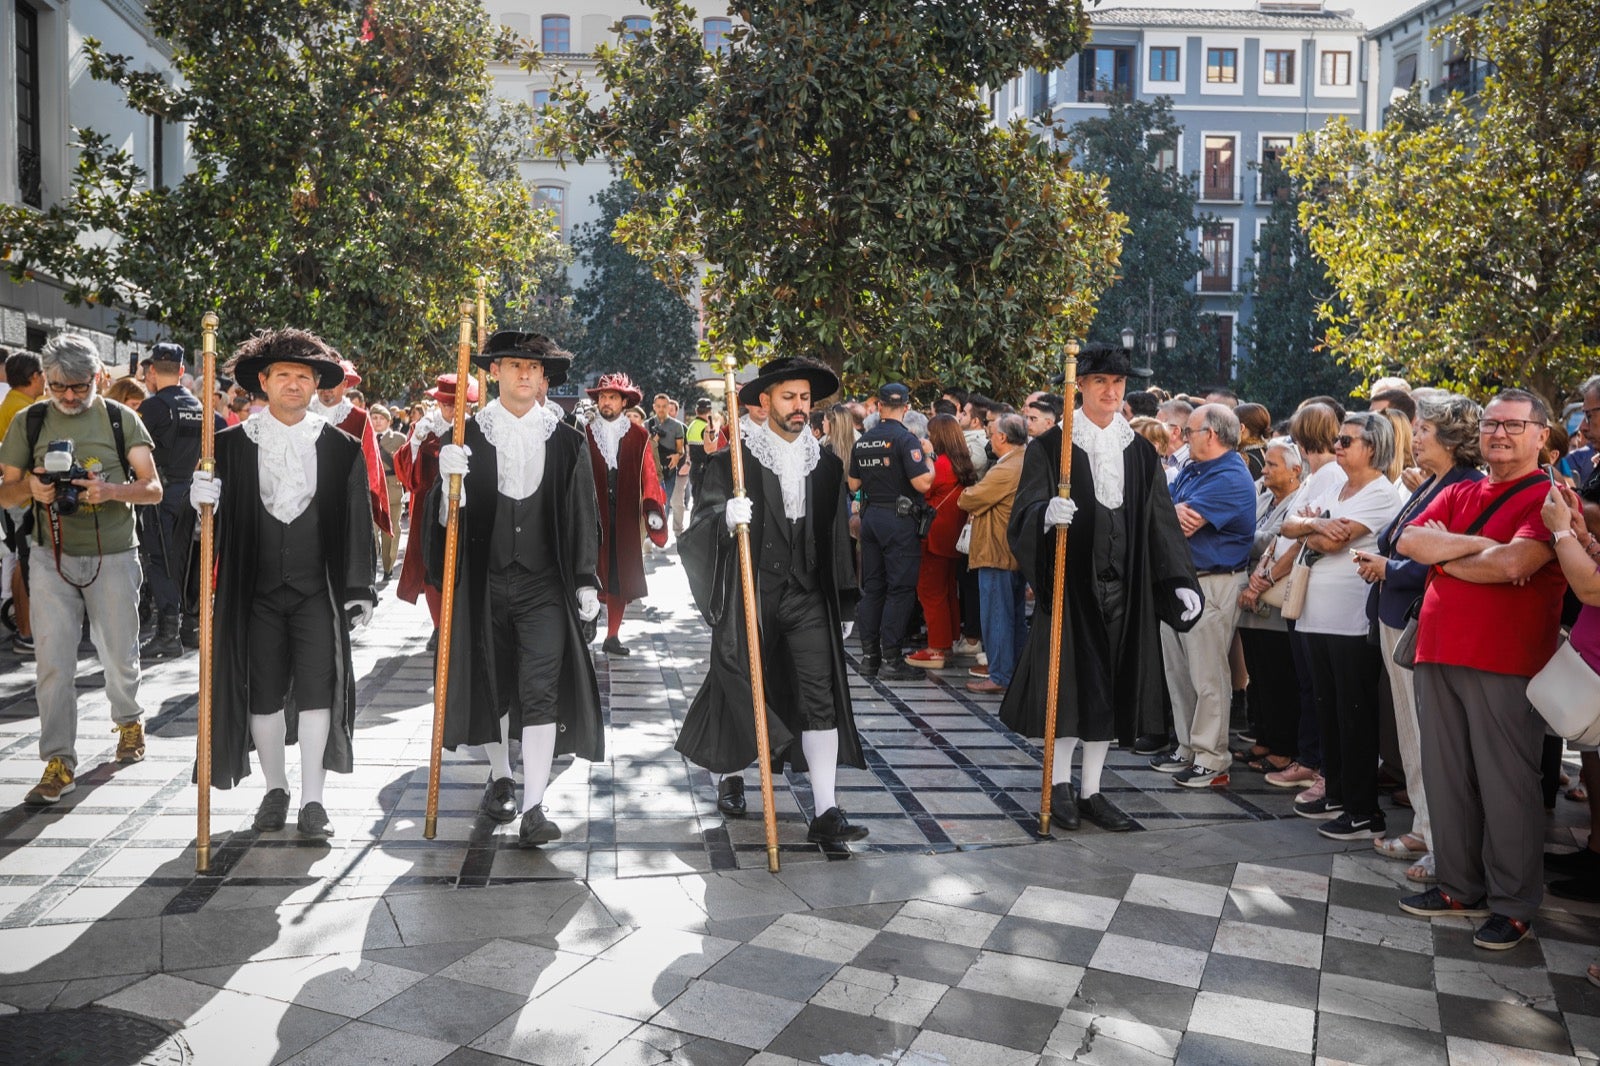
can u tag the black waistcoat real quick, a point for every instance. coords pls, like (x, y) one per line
(521, 535)
(290, 555)
(788, 546)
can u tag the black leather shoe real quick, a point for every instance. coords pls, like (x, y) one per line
(730, 797)
(871, 663)
(832, 827)
(273, 812)
(1064, 805)
(500, 799)
(536, 829)
(1150, 744)
(1105, 814)
(613, 646)
(897, 669)
(313, 822)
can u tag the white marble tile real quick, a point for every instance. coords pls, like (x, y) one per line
(1064, 908)
(906, 1000)
(1252, 940)
(555, 1034)
(1190, 897)
(942, 1049)
(735, 1015)
(1298, 884)
(1379, 1001)
(1097, 1040)
(1464, 1052)
(1145, 958)
(1049, 982)
(1272, 1024)
(813, 937)
(1476, 979)
(1398, 930)
(514, 967)
(940, 921)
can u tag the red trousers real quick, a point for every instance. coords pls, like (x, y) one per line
(615, 605)
(937, 585)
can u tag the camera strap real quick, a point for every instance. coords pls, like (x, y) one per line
(55, 539)
(35, 425)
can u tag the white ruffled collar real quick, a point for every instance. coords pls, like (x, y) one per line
(500, 425)
(519, 442)
(608, 434)
(790, 461)
(335, 414)
(288, 462)
(1104, 448)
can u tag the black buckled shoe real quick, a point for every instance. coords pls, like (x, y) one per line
(1150, 744)
(273, 812)
(730, 797)
(500, 800)
(313, 822)
(871, 663)
(1064, 805)
(613, 646)
(895, 668)
(1105, 814)
(832, 827)
(536, 829)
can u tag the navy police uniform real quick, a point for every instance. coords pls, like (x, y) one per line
(884, 460)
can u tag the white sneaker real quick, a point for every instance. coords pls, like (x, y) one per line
(983, 660)
(966, 646)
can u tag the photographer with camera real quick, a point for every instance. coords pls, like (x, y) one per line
(84, 462)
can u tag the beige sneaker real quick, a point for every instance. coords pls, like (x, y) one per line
(130, 741)
(56, 782)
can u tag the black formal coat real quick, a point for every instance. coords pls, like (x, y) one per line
(344, 518)
(719, 731)
(478, 682)
(1100, 698)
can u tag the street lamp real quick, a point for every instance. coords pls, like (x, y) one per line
(1151, 343)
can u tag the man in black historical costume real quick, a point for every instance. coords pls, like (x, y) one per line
(793, 510)
(294, 568)
(1128, 570)
(526, 583)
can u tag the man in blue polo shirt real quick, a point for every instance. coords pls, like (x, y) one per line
(1215, 501)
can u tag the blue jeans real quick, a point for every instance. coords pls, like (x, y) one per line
(1005, 628)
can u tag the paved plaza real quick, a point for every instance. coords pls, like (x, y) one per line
(1224, 931)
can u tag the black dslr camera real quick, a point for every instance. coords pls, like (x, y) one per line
(61, 469)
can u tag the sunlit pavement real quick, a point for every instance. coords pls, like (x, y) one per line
(1224, 931)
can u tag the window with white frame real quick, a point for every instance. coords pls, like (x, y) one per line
(555, 34)
(1222, 66)
(1219, 168)
(634, 27)
(1277, 66)
(1274, 182)
(1216, 247)
(1335, 68)
(1164, 61)
(553, 199)
(30, 137)
(716, 35)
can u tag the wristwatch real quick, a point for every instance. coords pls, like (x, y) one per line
(1555, 538)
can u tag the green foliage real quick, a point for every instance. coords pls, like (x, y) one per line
(632, 321)
(350, 177)
(1288, 286)
(835, 173)
(1463, 238)
(1159, 257)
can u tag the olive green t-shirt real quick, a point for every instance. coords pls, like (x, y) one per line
(94, 449)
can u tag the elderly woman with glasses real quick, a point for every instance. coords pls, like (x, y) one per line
(1274, 686)
(1345, 668)
(1445, 446)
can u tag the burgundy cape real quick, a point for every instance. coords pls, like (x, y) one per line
(639, 493)
(417, 474)
(356, 424)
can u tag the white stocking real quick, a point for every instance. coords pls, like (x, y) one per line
(268, 732)
(538, 750)
(821, 747)
(314, 729)
(498, 753)
(1094, 761)
(1061, 767)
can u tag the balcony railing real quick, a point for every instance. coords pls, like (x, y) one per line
(1467, 80)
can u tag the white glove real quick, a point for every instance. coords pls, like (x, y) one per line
(737, 512)
(1191, 604)
(362, 612)
(588, 604)
(453, 460)
(654, 521)
(205, 488)
(1059, 512)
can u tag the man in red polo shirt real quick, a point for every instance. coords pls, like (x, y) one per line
(1490, 620)
(333, 405)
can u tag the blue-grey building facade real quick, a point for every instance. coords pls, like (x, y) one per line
(1244, 86)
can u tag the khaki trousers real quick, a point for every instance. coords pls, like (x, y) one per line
(1198, 676)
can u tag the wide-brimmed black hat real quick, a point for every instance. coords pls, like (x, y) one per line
(1108, 359)
(824, 382)
(284, 346)
(514, 344)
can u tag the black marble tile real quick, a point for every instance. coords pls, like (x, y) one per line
(443, 1009)
(1377, 1043)
(1372, 962)
(1134, 999)
(1044, 940)
(1274, 982)
(1164, 926)
(776, 973)
(1203, 1049)
(1017, 1023)
(1379, 898)
(912, 956)
(867, 915)
(1575, 995)
(821, 1034)
(1503, 1023)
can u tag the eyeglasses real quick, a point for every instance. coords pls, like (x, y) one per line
(81, 388)
(1187, 432)
(1514, 427)
(1344, 440)
(1591, 412)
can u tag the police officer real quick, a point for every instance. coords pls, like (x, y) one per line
(890, 473)
(173, 416)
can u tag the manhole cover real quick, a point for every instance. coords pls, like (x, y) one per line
(87, 1038)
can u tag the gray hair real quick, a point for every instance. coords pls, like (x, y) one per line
(1015, 428)
(1294, 458)
(916, 422)
(1221, 420)
(1455, 426)
(1379, 434)
(1176, 407)
(72, 356)
(1591, 387)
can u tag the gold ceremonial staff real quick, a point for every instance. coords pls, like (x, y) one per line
(752, 625)
(483, 342)
(1052, 698)
(208, 547)
(447, 594)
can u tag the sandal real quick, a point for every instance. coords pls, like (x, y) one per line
(1398, 848)
(1265, 765)
(1422, 871)
(1255, 751)
(1578, 794)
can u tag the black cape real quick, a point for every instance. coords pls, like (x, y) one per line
(1099, 699)
(719, 731)
(344, 517)
(477, 681)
